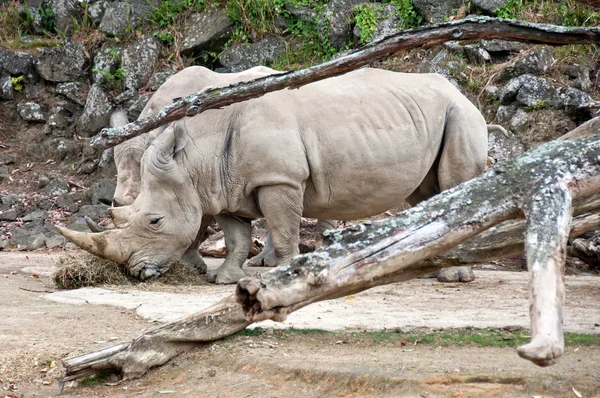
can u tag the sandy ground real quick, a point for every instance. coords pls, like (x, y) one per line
(38, 327)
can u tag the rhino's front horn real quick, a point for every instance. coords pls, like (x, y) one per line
(105, 244)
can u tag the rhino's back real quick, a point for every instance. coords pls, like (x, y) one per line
(368, 137)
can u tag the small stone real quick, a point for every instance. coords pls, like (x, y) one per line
(16, 63)
(54, 241)
(536, 63)
(43, 180)
(206, 31)
(75, 91)
(35, 215)
(117, 19)
(436, 11)
(476, 54)
(56, 187)
(95, 212)
(7, 158)
(59, 120)
(8, 215)
(102, 192)
(491, 92)
(502, 46)
(134, 111)
(303, 13)
(6, 88)
(66, 13)
(487, 7)
(38, 243)
(244, 56)
(31, 112)
(520, 122)
(158, 79)
(581, 77)
(138, 61)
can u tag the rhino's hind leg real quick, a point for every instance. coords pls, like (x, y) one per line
(238, 241)
(281, 206)
(266, 258)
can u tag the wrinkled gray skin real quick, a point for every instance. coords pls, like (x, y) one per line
(344, 148)
(129, 154)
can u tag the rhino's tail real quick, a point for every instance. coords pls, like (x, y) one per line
(497, 128)
(119, 118)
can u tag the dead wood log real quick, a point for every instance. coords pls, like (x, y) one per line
(466, 29)
(398, 249)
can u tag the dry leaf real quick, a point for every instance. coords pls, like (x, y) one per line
(577, 393)
(35, 276)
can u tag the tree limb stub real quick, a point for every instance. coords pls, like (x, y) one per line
(398, 249)
(530, 186)
(476, 28)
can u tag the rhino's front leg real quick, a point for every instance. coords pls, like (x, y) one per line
(192, 254)
(281, 206)
(238, 241)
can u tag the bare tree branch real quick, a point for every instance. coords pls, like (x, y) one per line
(466, 29)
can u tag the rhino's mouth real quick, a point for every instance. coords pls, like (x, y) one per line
(147, 270)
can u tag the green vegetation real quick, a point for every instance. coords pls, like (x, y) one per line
(566, 12)
(253, 19)
(164, 19)
(97, 379)
(365, 17)
(17, 83)
(451, 337)
(537, 106)
(113, 77)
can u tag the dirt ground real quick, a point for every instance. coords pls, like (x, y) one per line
(35, 333)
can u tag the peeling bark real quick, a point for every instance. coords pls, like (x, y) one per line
(539, 184)
(476, 28)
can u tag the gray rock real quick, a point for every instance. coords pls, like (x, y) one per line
(487, 7)
(126, 96)
(206, 31)
(8, 215)
(31, 91)
(67, 199)
(58, 122)
(95, 212)
(388, 23)
(96, 113)
(572, 99)
(96, 11)
(117, 19)
(7, 158)
(57, 186)
(54, 241)
(10, 199)
(77, 223)
(31, 112)
(502, 46)
(43, 180)
(38, 243)
(133, 112)
(491, 92)
(6, 88)
(580, 77)
(520, 122)
(35, 215)
(4, 173)
(244, 56)
(505, 113)
(75, 91)
(141, 9)
(16, 63)
(106, 158)
(106, 61)
(23, 239)
(535, 92)
(61, 64)
(438, 65)
(455, 47)
(477, 54)
(159, 78)
(501, 147)
(89, 166)
(334, 21)
(303, 13)
(2, 245)
(536, 63)
(436, 10)
(138, 61)
(66, 13)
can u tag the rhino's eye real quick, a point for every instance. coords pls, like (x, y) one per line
(155, 221)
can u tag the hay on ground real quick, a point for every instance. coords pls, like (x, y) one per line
(80, 270)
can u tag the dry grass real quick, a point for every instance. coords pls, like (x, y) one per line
(81, 270)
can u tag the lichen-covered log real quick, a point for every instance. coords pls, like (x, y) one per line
(467, 29)
(539, 185)
(398, 249)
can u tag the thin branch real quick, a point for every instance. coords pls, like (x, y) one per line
(467, 29)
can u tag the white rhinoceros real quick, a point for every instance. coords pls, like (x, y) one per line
(129, 154)
(343, 148)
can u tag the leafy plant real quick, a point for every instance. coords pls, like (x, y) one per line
(47, 18)
(253, 19)
(17, 83)
(113, 79)
(407, 15)
(365, 17)
(162, 18)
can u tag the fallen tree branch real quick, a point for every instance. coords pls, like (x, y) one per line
(466, 29)
(397, 249)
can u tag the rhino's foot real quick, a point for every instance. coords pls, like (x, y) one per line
(543, 350)
(193, 258)
(229, 275)
(148, 271)
(456, 274)
(266, 258)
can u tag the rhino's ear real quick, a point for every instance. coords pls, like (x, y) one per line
(179, 137)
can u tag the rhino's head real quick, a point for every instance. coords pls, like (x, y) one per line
(156, 229)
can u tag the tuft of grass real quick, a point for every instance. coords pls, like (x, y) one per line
(96, 379)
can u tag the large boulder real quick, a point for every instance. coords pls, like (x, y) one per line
(580, 77)
(16, 63)
(206, 31)
(75, 91)
(117, 19)
(61, 64)
(66, 12)
(334, 21)
(96, 113)
(138, 61)
(245, 56)
(536, 63)
(439, 64)
(487, 7)
(436, 10)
